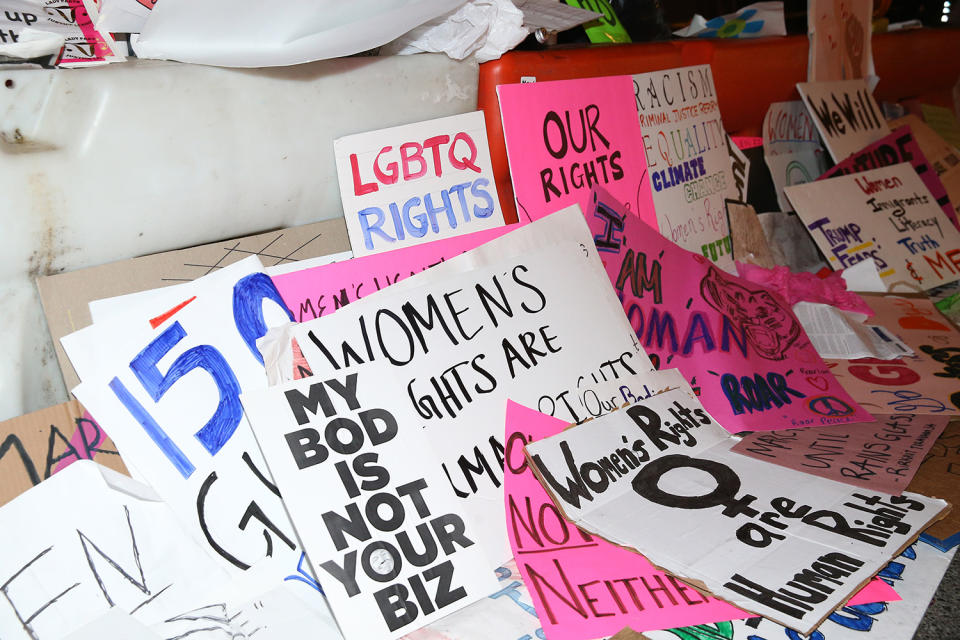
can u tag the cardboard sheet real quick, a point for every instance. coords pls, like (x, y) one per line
(926, 382)
(609, 587)
(749, 242)
(418, 182)
(39, 444)
(739, 345)
(840, 32)
(937, 476)
(65, 296)
(882, 455)
(505, 320)
(722, 517)
(846, 115)
(899, 146)
(688, 165)
(563, 137)
(377, 519)
(886, 214)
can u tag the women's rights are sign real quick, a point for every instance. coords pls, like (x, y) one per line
(415, 183)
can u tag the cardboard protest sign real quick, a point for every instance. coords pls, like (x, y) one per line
(839, 33)
(882, 455)
(926, 382)
(170, 391)
(791, 147)
(740, 345)
(943, 121)
(749, 242)
(937, 476)
(417, 182)
(687, 161)
(45, 442)
(846, 115)
(895, 148)
(380, 526)
(943, 157)
(915, 572)
(65, 296)
(611, 587)
(721, 517)
(529, 316)
(563, 137)
(311, 293)
(886, 214)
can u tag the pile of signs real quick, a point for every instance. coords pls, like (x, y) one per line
(472, 430)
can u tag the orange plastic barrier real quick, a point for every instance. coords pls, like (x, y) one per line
(749, 74)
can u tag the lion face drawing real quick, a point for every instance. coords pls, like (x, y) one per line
(770, 328)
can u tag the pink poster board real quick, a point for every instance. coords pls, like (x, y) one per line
(566, 136)
(583, 586)
(321, 290)
(739, 345)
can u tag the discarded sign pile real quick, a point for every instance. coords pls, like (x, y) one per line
(471, 430)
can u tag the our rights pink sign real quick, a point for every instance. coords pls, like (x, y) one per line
(738, 344)
(565, 137)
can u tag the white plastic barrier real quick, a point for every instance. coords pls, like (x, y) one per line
(108, 163)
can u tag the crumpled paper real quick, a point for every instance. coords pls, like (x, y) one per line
(481, 28)
(806, 287)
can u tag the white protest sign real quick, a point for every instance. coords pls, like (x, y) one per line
(88, 540)
(529, 316)
(791, 147)
(784, 544)
(886, 214)
(687, 158)
(376, 516)
(169, 395)
(415, 183)
(845, 113)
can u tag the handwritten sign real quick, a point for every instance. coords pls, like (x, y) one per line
(927, 382)
(840, 47)
(721, 517)
(417, 182)
(688, 165)
(380, 526)
(321, 290)
(886, 214)
(610, 587)
(564, 137)
(88, 540)
(791, 147)
(740, 345)
(846, 115)
(44, 442)
(882, 455)
(505, 320)
(938, 477)
(170, 392)
(943, 157)
(898, 147)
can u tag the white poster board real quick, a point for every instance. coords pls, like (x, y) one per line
(416, 183)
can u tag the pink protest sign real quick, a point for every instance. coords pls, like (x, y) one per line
(566, 136)
(881, 456)
(899, 146)
(321, 290)
(583, 586)
(739, 344)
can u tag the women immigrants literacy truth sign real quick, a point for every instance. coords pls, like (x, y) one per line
(417, 182)
(886, 214)
(783, 544)
(381, 528)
